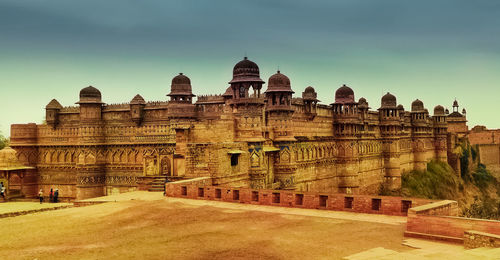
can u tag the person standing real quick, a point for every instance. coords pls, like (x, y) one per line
(51, 195)
(40, 196)
(56, 195)
(2, 190)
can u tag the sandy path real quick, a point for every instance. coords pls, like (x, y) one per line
(189, 229)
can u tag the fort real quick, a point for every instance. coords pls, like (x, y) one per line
(246, 137)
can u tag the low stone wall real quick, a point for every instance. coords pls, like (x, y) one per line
(25, 212)
(195, 189)
(475, 239)
(439, 221)
(87, 203)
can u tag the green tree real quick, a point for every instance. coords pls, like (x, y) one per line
(3, 141)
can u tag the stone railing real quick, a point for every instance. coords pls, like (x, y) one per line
(197, 189)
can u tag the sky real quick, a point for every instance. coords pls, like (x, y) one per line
(433, 50)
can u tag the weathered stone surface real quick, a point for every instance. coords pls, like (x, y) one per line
(244, 138)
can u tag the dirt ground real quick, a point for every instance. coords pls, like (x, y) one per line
(164, 229)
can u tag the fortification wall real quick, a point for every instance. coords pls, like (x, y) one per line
(485, 136)
(489, 154)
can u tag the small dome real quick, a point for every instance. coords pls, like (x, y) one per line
(181, 86)
(439, 110)
(53, 104)
(455, 103)
(388, 101)
(417, 106)
(464, 111)
(400, 107)
(344, 95)
(446, 111)
(90, 92)
(246, 71)
(279, 83)
(138, 100)
(8, 159)
(90, 95)
(310, 94)
(309, 90)
(362, 103)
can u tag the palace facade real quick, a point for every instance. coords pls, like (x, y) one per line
(250, 136)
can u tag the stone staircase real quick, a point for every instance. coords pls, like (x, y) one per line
(158, 184)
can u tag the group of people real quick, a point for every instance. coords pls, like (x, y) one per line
(2, 190)
(53, 196)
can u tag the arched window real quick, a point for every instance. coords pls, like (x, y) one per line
(242, 92)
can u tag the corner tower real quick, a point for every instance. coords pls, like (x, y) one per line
(390, 127)
(346, 126)
(279, 107)
(246, 102)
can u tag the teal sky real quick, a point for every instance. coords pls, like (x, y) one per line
(434, 50)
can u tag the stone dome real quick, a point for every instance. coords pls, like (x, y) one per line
(310, 94)
(53, 104)
(417, 106)
(400, 107)
(9, 161)
(279, 83)
(246, 71)
(362, 103)
(90, 95)
(439, 110)
(344, 94)
(388, 101)
(138, 100)
(309, 90)
(181, 86)
(455, 103)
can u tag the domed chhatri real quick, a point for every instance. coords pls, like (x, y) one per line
(181, 86)
(90, 95)
(400, 107)
(417, 106)
(362, 103)
(9, 160)
(344, 94)
(310, 94)
(246, 71)
(279, 83)
(388, 101)
(439, 110)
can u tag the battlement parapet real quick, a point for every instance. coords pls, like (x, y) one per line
(70, 109)
(210, 99)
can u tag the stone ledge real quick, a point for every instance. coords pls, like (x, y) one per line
(434, 237)
(25, 212)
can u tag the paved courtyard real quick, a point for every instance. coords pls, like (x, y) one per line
(147, 226)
